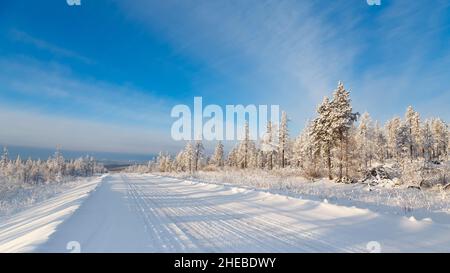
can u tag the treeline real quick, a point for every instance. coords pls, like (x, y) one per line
(338, 143)
(54, 169)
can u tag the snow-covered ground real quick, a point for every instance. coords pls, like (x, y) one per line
(38, 218)
(381, 198)
(16, 196)
(148, 213)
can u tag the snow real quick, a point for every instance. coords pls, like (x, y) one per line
(25, 230)
(398, 200)
(149, 213)
(15, 197)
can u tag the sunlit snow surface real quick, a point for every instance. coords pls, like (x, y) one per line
(147, 213)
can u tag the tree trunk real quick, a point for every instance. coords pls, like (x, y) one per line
(329, 163)
(341, 159)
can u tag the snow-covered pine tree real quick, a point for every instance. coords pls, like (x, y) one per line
(283, 140)
(440, 136)
(322, 135)
(403, 140)
(4, 160)
(391, 129)
(189, 157)
(342, 119)
(179, 165)
(412, 119)
(245, 148)
(297, 152)
(199, 151)
(232, 158)
(365, 141)
(268, 146)
(380, 143)
(18, 169)
(27, 170)
(218, 155)
(427, 141)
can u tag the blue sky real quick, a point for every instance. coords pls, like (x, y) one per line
(103, 76)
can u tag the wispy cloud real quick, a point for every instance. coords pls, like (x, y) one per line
(44, 104)
(41, 82)
(24, 37)
(278, 51)
(293, 53)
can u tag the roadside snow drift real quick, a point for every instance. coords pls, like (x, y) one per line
(146, 213)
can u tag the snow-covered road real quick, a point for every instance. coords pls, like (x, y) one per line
(145, 213)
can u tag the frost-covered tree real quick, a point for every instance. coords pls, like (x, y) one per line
(283, 140)
(321, 133)
(427, 141)
(365, 141)
(380, 143)
(297, 152)
(303, 155)
(440, 136)
(179, 162)
(342, 119)
(269, 145)
(199, 152)
(391, 128)
(246, 149)
(4, 159)
(164, 162)
(217, 159)
(232, 158)
(403, 140)
(412, 120)
(189, 157)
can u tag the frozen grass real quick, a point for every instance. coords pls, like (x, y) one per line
(396, 200)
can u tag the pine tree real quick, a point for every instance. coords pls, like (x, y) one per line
(232, 158)
(380, 143)
(440, 136)
(392, 127)
(365, 138)
(403, 140)
(4, 160)
(427, 141)
(342, 119)
(198, 154)
(245, 149)
(322, 135)
(283, 140)
(268, 145)
(189, 157)
(218, 155)
(412, 119)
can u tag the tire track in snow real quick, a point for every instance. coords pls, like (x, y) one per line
(263, 234)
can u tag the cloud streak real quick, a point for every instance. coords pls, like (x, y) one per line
(293, 53)
(26, 38)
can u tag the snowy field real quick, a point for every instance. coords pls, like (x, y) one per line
(148, 213)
